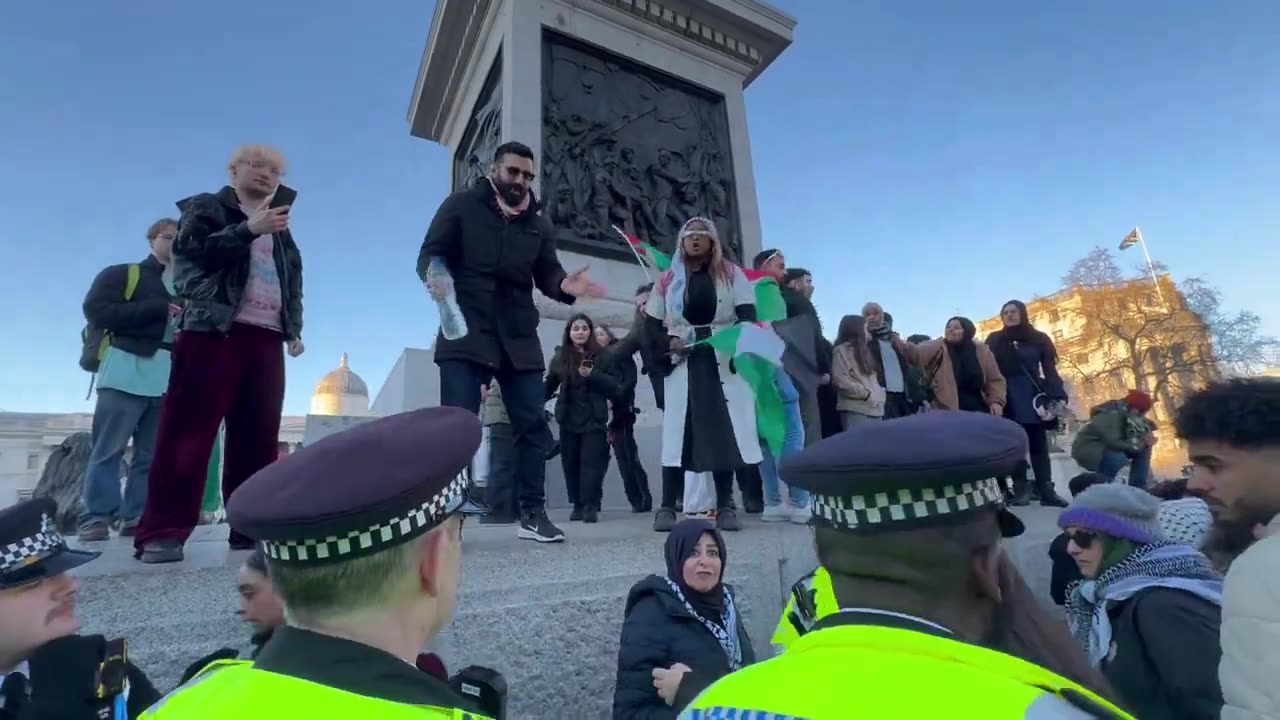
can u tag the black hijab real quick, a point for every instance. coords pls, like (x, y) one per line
(964, 361)
(1002, 341)
(681, 543)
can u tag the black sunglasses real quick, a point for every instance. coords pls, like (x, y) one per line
(1083, 540)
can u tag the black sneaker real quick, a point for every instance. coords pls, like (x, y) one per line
(576, 514)
(590, 515)
(538, 527)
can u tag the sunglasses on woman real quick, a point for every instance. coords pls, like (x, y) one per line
(1083, 540)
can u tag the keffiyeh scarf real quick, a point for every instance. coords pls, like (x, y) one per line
(1162, 564)
(726, 635)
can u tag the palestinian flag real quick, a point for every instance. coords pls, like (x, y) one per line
(769, 303)
(799, 333)
(651, 255)
(757, 353)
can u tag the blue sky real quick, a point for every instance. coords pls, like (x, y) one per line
(939, 157)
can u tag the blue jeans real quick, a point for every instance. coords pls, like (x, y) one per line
(523, 393)
(792, 442)
(1113, 461)
(117, 417)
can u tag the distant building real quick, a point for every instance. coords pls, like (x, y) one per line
(341, 392)
(1126, 335)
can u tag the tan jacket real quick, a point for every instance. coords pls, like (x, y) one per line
(855, 391)
(1251, 632)
(929, 355)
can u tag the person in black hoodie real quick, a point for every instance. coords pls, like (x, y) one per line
(622, 421)
(682, 632)
(582, 393)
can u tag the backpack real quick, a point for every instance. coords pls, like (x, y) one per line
(95, 340)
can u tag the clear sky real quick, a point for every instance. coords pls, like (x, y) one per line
(940, 157)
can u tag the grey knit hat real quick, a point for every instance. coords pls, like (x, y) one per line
(1121, 511)
(1186, 521)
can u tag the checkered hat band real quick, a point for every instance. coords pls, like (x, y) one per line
(375, 537)
(30, 550)
(885, 508)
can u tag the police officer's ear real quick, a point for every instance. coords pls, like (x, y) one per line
(432, 555)
(984, 565)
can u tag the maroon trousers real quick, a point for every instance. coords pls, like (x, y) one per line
(238, 377)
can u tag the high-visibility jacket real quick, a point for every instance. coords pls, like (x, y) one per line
(844, 670)
(811, 600)
(234, 689)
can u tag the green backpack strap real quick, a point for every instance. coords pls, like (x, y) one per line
(131, 284)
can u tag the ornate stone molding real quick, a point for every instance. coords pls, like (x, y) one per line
(697, 30)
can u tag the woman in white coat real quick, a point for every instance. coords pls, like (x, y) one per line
(709, 423)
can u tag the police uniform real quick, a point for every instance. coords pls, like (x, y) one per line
(71, 677)
(352, 494)
(908, 473)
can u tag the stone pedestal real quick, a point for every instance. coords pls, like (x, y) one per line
(634, 111)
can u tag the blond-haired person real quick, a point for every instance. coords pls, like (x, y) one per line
(238, 274)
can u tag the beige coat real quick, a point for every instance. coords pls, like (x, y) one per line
(927, 355)
(1250, 669)
(855, 391)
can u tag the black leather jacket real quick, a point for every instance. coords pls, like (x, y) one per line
(211, 262)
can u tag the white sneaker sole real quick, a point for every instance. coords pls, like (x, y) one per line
(526, 534)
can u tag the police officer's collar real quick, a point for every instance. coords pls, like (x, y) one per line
(882, 618)
(353, 667)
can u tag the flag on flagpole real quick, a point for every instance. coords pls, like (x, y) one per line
(1133, 238)
(656, 259)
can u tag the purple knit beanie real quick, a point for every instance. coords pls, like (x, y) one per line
(1121, 511)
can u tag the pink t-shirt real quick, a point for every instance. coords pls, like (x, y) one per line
(262, 297)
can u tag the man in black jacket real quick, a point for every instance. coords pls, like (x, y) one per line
(238, 274)
(797, 293)
(497, 247)
(132, 377)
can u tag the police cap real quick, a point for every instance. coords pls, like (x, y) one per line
(928, 469)
(362, 490)
(30, 546)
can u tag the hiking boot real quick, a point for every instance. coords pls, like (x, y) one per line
(162, 551)
(727, 520)
(538, 527)
(94, 531)
(664, 520)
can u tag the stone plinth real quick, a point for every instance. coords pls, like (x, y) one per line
(547, 617)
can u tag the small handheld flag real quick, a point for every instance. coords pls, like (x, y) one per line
(647, 254)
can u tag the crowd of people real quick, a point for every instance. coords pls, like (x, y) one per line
(903, 455)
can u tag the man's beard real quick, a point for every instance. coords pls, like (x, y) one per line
(512, 194)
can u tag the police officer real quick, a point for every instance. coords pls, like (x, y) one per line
(47, 671)
(362, 533)
(908, 520)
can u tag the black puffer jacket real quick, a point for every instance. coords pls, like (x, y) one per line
(659, 631)
(495, 264)
(211, 262)
(137, 325)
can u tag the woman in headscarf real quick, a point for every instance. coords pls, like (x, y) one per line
(1148, 612)
(682, 632)
(962, 374)
(709, 424)
(1029, 362)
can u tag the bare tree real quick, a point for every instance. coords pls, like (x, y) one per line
(1162, 340)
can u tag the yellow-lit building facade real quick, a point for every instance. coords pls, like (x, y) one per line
(1117, 337)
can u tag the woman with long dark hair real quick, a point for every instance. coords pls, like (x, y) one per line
(709, 424)
(960, 373)
(859, 394)
(1029, 362)
(582, 411)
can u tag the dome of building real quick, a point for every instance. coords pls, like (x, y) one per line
(341, 392)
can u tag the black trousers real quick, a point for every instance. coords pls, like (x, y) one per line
(895, 405)
(585, 458)
(673, 487)
(501, 495)
(635, 481)
(750, 484)
(1038, 449)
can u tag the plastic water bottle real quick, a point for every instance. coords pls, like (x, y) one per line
(452, 324)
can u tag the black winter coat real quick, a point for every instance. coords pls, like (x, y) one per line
(1166, 652)
(495, 265)
(622, 366)
(137, 326)
(61, 684)
(211, 258)
(600, 387)
(658, 631)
